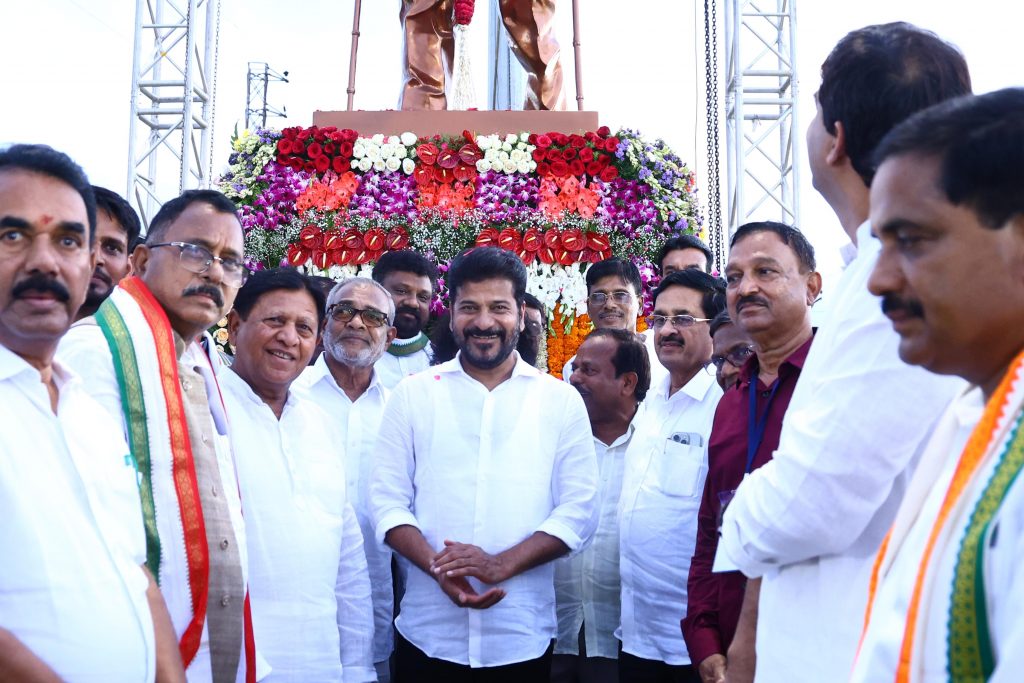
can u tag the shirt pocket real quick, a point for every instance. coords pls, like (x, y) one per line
(681, 470)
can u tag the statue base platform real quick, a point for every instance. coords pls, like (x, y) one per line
(431, 122)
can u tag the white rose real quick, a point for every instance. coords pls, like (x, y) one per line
(510, 166)
(503, 156)
(523, 167)
(365, 164)
(524, 137)
(408, 166)
(506, 147)
(378, 139)
(491, 155)
(408, 139)
(373, 153)
(483, 142)
(387, 150)
(358, 151)
(379, 165)
(532, 165)
(393, 140)
(483, 166)
(401, 152)
(516, 155)
(511, 139)
(393, 164)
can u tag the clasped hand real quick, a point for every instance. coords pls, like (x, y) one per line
(456, 562)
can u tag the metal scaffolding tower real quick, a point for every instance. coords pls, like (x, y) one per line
(762, 137)
(173, 82)
(256, 108)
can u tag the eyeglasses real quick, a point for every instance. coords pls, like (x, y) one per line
(737, 357)
(658, 321)
(197, 259)
(600, 298)
(343, 313)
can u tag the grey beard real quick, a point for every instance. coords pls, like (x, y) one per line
(363, 359)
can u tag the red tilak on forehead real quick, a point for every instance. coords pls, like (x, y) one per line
(47, 219)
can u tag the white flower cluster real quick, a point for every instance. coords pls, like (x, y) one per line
(391, 153)
(511, 154)
(557, 284)
(338, 273)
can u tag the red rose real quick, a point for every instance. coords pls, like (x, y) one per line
(531, 139)
(611, 145)
(284, 146)
(603, 160)
(345, 149)
(609, 174)
(290, 132)
(329, 129)
(350, 135)
(543, 141)
(340, 165)
(591, 136)
(314, 150)
(309, 167)
(329, 148)
(594, 168)
(539, 155)
(577, 167)
(322, 164)
(560, 139)
(427, 153)
(604, 131)
(577, 141)
(586, 155)
(569, 153)
(559, 168)
(543, 169)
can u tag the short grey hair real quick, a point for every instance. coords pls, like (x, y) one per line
(335, 294)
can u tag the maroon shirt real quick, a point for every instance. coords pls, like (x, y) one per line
(714, 599)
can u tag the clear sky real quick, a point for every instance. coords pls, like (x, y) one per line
(66, 69)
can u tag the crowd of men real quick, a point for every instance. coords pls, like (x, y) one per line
(733, 495)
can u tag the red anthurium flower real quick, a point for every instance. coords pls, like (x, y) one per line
(397, 239)
(297, 256)
(507, 238)
(353, 239)
(532, 239)
(321, 259)
(333, 241)
(572, 239)
(470, 154)
(488, 237)
(546, 255)
(374, 239)
(552, 238)
(566, 257)
(427, 153)
(526, 256)
(598, 241)
(310, 237)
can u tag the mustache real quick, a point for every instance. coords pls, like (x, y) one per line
(891, 303)
(414, 312)
(41, 283)
(103, 275)
(752, 299)
(212, 291)
(476, 331)
(673, 338)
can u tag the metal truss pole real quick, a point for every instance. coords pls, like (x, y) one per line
(256, 108)
(762, 135)
(173, 82)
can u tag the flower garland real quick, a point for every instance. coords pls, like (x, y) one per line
(332, 201)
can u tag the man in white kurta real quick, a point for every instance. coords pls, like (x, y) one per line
(310, 589)
(485, 473)
(345, 383)
(411, 279)
(666, 464)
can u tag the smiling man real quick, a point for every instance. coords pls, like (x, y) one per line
(666, 464)
(307, 572)
(485, 473)
(117, 228)
(948, 207)
(73, 571)
(345, 383)
(411, 279)
(147, 359)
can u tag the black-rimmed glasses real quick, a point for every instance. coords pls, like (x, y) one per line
(371, 317)
(736, 358)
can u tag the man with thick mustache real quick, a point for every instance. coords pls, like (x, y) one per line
(485, 473)
(145, 356)
(411, 280)
(345, 382)
(612, 374)
(117, 228)
(73, 571)
(666, 464)
(307, 572)
(771, 284)
(613, 301)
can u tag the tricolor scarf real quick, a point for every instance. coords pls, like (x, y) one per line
(403, 347)
(994, 450)
(141, 343)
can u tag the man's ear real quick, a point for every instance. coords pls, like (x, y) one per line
(813, 287)
(837, 152)
(234, 320)
(392, 333)
(629, 382)
(140, 259)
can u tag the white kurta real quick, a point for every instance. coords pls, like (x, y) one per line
(393, 369)
(811, 520)
(666, 465)
(488, 468)
(308, 584)
(71, 586)
(355, 426)
(587, 583)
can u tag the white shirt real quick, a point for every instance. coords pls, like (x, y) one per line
(355, 426)
(879, 654)
(393, 369)
(587, 583)
(658, 371)
(308, 583)
(661, 493)
(488, 468)
(71, 586)
(811, 520)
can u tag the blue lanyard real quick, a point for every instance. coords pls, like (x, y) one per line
(755, 425)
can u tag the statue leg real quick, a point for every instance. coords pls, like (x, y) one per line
(429, 53)
(530, 24)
